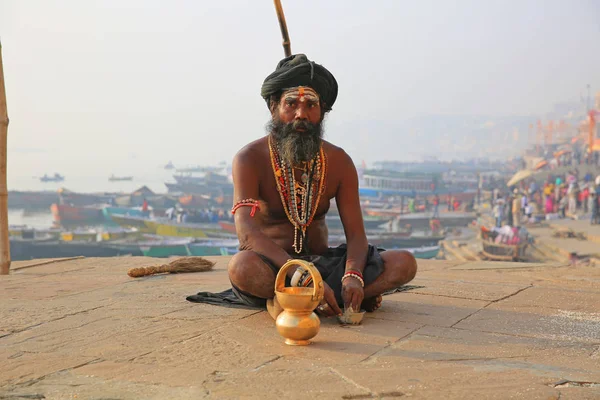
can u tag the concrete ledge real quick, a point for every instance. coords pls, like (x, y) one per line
(84, 329)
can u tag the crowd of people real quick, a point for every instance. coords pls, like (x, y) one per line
(559, 197)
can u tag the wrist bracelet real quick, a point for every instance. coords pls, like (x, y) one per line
(355, 276)
(354, 272)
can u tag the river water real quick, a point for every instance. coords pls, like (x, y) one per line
(37, 220)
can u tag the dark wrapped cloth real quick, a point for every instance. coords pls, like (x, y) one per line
(331, 266)
(298, 70)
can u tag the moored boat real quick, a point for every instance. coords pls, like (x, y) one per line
(214, 247)
(425, 253)
(369, 221)
(163, 247)
(504, 244)
(65, 214)
(166, 227)
(109, 211)
(48, 247)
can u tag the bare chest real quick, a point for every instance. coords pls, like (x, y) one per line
(273, 193)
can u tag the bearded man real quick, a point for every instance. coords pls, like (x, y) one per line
(283, 184)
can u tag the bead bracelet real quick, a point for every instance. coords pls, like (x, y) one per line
(348, 275)
(354, 272)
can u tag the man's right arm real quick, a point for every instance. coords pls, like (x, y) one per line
(246, 186)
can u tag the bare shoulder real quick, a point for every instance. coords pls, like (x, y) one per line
(250, 153)
(336, 154)
(337, 157)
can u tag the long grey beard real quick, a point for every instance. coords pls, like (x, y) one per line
(296, 147)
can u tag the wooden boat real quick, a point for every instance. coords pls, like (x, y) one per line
(79, 236)
(48, 247)
(83, 199)
(128, 221)
(97, 235)
(424, 252)
(214, 247)
(501, 251)
(420, 221)
(166, 227)
(391, 240)
(333, 223)
(109, 211)
(370, 222)
(65, 214)
(161, 247)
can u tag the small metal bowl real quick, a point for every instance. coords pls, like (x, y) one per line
(349, 317)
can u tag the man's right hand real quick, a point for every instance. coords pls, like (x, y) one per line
(328, 307)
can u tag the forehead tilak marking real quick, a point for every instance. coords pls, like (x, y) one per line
(302, 93)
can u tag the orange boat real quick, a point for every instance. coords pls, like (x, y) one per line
(65, 214)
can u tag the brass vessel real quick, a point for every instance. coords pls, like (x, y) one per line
(297, 323)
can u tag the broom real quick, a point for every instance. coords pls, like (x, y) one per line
(182, 264)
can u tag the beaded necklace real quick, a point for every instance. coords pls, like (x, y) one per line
(299, 199)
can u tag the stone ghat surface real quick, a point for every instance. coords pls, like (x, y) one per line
(83, 329)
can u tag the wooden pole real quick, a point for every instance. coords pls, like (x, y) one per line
(4, 241)
(287, 48)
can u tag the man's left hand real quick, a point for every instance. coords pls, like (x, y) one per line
(352, 293)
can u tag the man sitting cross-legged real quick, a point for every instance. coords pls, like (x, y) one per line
(283, 184)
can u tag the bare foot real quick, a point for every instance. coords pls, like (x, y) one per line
(372, 304)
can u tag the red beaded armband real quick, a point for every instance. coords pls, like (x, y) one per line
(246, 203)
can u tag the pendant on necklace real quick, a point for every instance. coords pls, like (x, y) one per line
(304, 178)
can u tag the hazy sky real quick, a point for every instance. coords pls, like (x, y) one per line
(121, 86)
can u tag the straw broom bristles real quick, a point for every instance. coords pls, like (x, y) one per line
(182, 264)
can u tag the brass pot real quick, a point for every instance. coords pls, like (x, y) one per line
(297, 323)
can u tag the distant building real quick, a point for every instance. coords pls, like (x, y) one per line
(377, 183)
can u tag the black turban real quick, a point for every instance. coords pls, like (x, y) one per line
(297, 70)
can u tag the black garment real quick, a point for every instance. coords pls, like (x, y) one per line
(298, 70)
(331, 266)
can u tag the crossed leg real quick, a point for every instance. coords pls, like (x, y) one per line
(250, 274)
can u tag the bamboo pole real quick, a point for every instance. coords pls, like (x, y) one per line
(287, 49)
(4, 241)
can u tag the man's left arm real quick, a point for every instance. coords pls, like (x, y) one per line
(348, 204)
